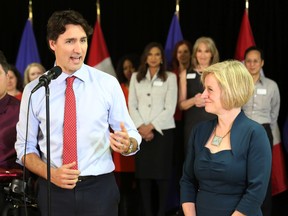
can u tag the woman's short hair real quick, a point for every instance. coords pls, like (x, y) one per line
(235, 81)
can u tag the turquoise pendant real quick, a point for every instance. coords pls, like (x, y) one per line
(216, 141)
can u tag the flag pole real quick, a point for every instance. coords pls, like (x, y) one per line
(247, 6)
(98, 11)
(30, 11)
(177, 8)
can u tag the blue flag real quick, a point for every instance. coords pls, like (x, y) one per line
(28, 51)
(174, 36)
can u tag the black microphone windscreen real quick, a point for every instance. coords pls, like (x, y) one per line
(45, 79)
(56, 71)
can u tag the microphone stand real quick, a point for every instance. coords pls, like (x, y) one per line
(47, 93)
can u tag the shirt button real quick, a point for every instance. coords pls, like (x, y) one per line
(149, 105)
(148, 94)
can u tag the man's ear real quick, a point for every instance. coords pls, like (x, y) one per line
(52, 45)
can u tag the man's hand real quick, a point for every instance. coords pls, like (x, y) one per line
(119, 140)
(65, 176)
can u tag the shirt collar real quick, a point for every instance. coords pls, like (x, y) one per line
(261, 80)
(81, 74)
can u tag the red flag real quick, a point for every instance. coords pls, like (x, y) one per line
(98, 56)
(245, 37)
(278, 176)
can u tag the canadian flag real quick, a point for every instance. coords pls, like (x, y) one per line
(245, 37)
(279, 182)
(98, 56)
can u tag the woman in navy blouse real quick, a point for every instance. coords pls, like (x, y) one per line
(228, 164)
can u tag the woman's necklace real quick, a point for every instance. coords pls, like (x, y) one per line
(199, 72)
(216, 141)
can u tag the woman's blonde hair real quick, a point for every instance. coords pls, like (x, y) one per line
(26, 72)
(235, 82)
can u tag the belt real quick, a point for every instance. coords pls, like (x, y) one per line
(85, 178)
(99, 177)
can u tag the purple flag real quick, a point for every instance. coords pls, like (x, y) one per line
(174, 36)
(28, 51)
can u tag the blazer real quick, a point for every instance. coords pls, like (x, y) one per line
(153, 101)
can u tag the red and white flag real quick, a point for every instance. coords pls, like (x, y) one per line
(98, 56)
(245, 37)
(278, 176)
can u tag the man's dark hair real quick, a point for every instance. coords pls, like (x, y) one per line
(57, 23)
(3, 62)
(254, 48)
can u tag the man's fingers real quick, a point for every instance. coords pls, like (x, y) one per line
(122, 126)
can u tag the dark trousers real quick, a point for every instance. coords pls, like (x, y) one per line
(94, 196)
(267, 203)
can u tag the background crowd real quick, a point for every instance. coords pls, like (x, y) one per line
(125, 175)
(128, 26)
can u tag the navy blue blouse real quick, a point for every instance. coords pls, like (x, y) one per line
(237, 179)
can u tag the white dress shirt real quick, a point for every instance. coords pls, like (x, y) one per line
(100, 103)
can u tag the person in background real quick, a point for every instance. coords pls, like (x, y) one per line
(181, 57)
(33, 71)
(83, 184)
(152, 102)
(125, 166)
(264, 106)
(125, 67)
(204, 54)
(181, 60)
(9, 114)
(15, 82)
(228, 164)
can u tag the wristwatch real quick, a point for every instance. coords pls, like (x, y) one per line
(130, 148)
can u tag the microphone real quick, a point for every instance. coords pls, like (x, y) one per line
(45, 79)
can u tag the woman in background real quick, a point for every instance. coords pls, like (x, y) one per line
(15, 82)
(152, 102)
(204, 54)
(181, 60)
(33, 71)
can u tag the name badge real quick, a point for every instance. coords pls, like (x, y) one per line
(157, 83)
(261, 91)
(191, 76)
